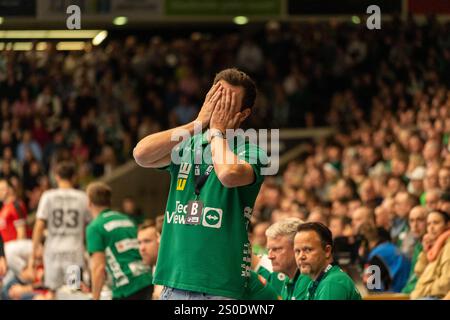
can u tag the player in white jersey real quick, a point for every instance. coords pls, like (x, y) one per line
(64, 212)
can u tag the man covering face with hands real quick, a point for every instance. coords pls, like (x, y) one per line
(204, 249)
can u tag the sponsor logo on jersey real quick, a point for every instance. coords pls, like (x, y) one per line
(183, 174)
(109, 226)
(120, 279)
(212, 217)
(281, 276)
(138, 267)
(262, 279)
(126, 244)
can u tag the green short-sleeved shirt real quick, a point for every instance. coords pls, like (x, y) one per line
(296, 288)
(260, 289)
(334, 285)
(276, 279)
(423, 201)
(115, 234)
(412, 280)
(213, 256)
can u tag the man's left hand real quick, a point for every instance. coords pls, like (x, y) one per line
(225, 115)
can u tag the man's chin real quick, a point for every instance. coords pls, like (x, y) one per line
(305, 270)
(275, 269)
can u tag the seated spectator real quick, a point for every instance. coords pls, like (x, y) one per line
(148, 240)
(404, 202)
(28, 143)
(433, 267)
(130, 208)
(418, 226)
(415, 185)
(432, 197)
(383, 216)
(444, 202)
(258, 238)
(24, 280)
(368, 194)
(313, 246)
(444, 179)
(280, 237)
(379, 251)
(360, 216)
(260, 289)
(344, 253)
(12, 214)
(317, 215)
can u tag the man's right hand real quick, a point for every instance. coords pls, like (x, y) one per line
(211, 100)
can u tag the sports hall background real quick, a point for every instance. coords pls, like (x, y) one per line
(364, 115)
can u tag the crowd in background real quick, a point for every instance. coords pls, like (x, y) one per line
(385, 92)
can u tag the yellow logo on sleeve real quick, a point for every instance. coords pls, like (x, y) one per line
(183, 174)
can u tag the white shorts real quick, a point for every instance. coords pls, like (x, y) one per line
(62, 269)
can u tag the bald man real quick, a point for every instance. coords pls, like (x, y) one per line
(418, 227)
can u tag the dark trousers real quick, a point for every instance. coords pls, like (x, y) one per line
(143, 294)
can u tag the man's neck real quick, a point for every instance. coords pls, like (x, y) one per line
(10, 199)
(317, 275)
(65, 185)
(291, 273)
(97, 210)
(373, 244)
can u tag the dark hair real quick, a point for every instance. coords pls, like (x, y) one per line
(238, 78)
(149, 223)
(445, 196)
(65, 170)
(444, 214)
(325, 235)
(8, 183)
(413, 199)
(99, 194)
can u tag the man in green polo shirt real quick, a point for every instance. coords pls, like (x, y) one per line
(260, 289)
(264, 269)
(280, 244)
(112, 242)
(204, 249)
(313, 246)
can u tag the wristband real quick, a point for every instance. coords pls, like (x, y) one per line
(215, 133)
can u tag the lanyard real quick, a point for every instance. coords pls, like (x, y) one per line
(312, 289)
(200, 180)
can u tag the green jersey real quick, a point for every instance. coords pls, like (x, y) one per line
(116, 235)
(260, 289)
(212, 253)
(412, 280)
(276, 279)
(333, 284)
(296, 288)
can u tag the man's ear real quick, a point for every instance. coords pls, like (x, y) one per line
(328, 251)
(245, 114)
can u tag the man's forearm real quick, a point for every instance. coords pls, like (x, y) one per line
(222, 157)
(37, 238)
(21, 233)
(230, 170)
(98, 280)
(158, 145)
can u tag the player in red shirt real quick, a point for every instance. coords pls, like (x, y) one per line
(12, 213)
